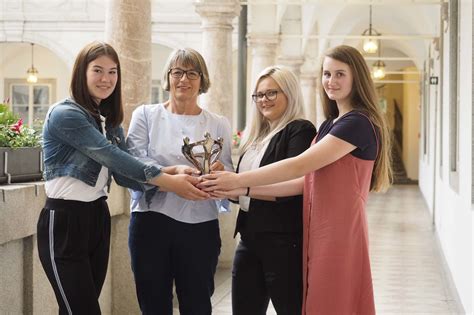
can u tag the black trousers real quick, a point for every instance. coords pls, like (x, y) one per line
(73, 247)
(162, 250)
(267, 266)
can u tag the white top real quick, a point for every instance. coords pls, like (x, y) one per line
(155, 136)
(70, 188)
(250, 161)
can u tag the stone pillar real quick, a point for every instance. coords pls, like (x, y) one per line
(291, 54)
(128, 30)
(308, 86)
(217, 51)
(263, 47)
(292, 62)
(320, 118)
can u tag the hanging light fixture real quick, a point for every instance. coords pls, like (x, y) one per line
(378, 68)
(32, 72)
(370, 44)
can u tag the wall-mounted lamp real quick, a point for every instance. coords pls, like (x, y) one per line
(370, 44)
(32, 72)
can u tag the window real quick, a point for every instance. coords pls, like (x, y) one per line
(31, 101)
(158, 95)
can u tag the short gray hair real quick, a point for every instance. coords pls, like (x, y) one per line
(187, 57)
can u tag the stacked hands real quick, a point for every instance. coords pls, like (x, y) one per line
(219, 184)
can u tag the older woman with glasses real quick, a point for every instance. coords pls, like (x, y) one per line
(171, 238)
(267, 263)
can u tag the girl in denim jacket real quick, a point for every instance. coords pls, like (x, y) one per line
(83, 146)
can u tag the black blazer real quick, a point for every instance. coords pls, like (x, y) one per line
(284, 214)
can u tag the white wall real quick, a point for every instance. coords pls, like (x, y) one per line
(429, 162)
(452, 207)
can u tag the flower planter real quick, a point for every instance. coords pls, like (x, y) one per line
(20, 164)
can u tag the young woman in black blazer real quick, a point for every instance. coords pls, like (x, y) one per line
(267, 263)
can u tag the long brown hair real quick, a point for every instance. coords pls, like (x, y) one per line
(110, 107)
(364, 99)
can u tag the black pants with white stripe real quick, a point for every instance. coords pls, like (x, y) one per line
(73, 246)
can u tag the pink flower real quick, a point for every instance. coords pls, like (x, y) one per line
(17, 127)
(236, 138)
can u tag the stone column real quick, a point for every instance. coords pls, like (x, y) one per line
(128, 30)
(217, 51)
(308, 87)
(292, 62)
(320, 118)
(291, 53)
(263, 47)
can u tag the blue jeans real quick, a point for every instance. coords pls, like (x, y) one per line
(164, 250)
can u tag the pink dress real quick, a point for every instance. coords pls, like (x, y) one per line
(336, 267)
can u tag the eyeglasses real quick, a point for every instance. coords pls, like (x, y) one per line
(178, 73)
(271, 95)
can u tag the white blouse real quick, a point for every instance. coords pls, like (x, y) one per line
(251, 160)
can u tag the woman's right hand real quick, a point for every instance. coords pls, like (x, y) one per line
(181, 184)
(220, 181)
(228, 194)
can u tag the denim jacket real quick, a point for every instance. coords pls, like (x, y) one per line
(74, 146)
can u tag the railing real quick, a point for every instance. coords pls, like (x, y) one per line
(24, 288)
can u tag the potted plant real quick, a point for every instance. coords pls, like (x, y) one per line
(20, 149)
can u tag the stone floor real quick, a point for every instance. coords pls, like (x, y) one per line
(408, 272)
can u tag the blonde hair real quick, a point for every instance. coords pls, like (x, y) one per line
(260, 129)
(187, 57)
(364, 99)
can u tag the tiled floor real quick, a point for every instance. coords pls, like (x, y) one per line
(408, 273)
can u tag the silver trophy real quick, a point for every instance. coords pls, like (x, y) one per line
(203, 160)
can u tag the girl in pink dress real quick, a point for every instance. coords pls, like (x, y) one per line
(349, 157)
